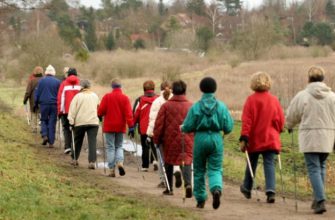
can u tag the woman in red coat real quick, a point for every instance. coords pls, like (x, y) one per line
(262, 122)
(177, 147)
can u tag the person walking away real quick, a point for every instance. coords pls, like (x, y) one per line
(83, 119)
(46, 98)
(67, 90)
(207, 118)
(115, 108)
(313, 109)
(167, 133)
(141, 117)
(29, 95)
(262, 122)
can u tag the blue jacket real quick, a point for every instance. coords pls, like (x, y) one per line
(46, 91)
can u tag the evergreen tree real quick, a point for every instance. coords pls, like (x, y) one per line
(90, 36)
(161, 8)
(110, 42)
(233, 7)
(330, 10)
(196, 6)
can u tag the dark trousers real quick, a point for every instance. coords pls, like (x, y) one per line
(146, 156)
(79, 134)
(186, 170)
(48, 121)
(66, 132)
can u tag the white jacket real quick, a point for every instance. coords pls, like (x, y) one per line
(156, 105)
(84, 109)
(314, 109)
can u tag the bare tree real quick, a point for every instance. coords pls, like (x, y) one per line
(214, 12)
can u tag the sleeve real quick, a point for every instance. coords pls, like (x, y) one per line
(189, 124)
(152, 116)
(247, 118)
(128, 113)
(159, 126)
(294, 112)
(102, 107)
(37, 93)
(59, 97)
(280, 117)
(73, 111)
(137, 113)
(29, 91)
(228, 121)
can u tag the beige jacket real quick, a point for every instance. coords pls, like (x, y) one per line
(314, 109)
(84, 109)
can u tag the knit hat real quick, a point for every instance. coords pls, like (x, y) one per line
(72, 71)
(208, 85)
(50, 70)
(316, 74)
(85, 84)
(116, 83)
(148, 85)
(38, 70)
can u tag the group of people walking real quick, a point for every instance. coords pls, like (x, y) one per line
(186, 133)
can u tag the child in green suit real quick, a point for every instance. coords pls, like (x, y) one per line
(207, 118)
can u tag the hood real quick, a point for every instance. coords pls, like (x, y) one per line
(148, 99)
(72, 80)
(318, 90)
(208, 103)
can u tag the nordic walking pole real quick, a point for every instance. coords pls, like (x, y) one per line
(137, 161)
(74, 148)
(251, 173)
(59, 134)
(183, 163)
(281, 177)
(27, 113)
(159, 155)
(295, 174)
(104, 148)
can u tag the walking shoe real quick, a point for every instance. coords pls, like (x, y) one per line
(122, 172)
(271, 197)
(201, 205)
(313, 206)
(167, 192)
(320, 207)
(188, 191)
(177, 175)
(144, 169)
(67, 151)
(216, 199)
(155, 165)
(111, 173)
(51, 146)
(91, 165)
(245, 192)
(161, 185)
(45, 140)
(74, 163)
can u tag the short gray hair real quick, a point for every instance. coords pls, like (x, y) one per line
(85, 84)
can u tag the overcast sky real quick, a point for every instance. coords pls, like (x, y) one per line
(96, 3)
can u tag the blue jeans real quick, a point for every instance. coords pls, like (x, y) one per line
(269, 171)
(114, 149)
(48, 122)
(316, 167)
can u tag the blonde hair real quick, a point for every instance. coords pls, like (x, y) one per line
(260, 81)
(38, 70)
(316, 74)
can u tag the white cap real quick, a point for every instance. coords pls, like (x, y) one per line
(50, 70)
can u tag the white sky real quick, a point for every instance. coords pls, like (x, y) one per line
(247, 3)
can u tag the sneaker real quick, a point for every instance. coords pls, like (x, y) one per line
(67, 151)
(91, 165)
(167, 192)
(122, 172)
(45, 140)
(161, 185)
(111, 173)
(74, 163)
(201, 205)
(155, 165)
(216, 199)
(320, 207)
(144, 169)
(245, 192)
(271, 197)
(188, 191)
(177, 175)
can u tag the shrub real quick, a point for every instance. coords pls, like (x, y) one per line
(110, 42)
(139, 44)
(204, 37)
(82, 55)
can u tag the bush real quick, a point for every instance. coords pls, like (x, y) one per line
(204, 37)
(82, 55)
(139, 44)
(110, 42)
(320, 33)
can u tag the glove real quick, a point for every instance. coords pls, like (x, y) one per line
(35, 109)
(290, 130)
(243, 143)
(24, 102)
(100, 118)
(131, 132)
(59, 116)
(71, 127)
(148, 141)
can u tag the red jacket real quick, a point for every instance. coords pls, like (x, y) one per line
(116, 109)
(141, 115)
(167, 132)
(67, 90)
(262, 121)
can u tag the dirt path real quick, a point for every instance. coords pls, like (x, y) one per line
(233, 204)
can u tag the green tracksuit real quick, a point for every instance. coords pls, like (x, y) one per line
(208, 118)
